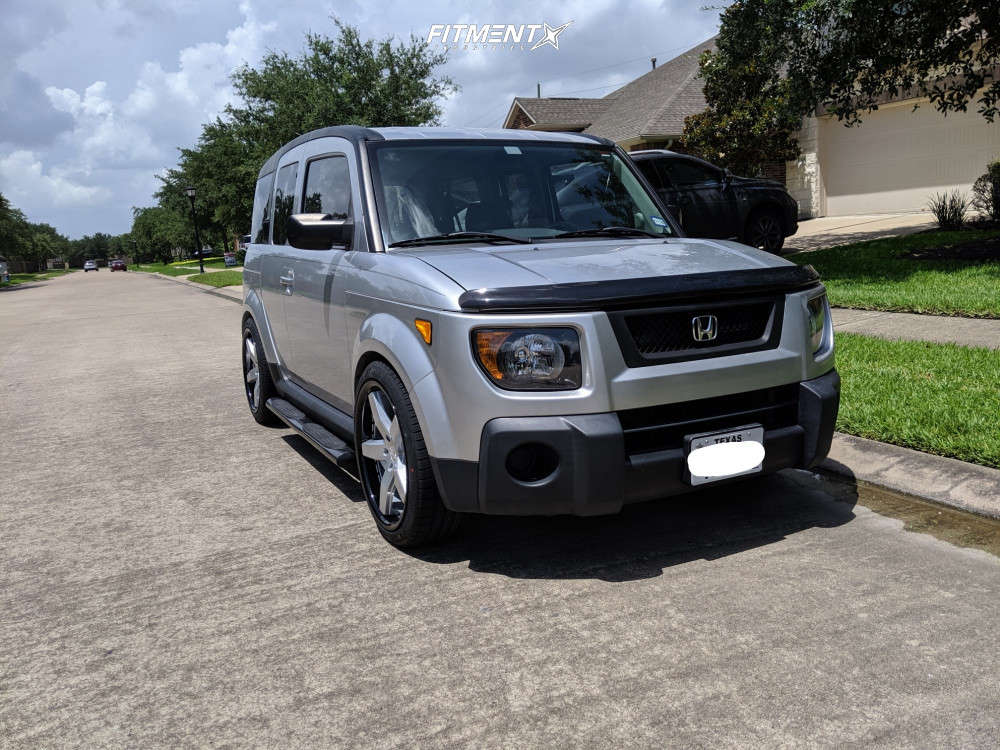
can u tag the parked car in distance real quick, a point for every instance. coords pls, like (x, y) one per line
(509, 322)
(90, 265)
(710, 202)
(118, 265)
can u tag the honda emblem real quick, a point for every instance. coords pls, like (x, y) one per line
(704, 328)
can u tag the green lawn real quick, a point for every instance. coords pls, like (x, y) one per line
(20, 278)
(166, 270)
(872, 276)
(219, 278)
(938, 398)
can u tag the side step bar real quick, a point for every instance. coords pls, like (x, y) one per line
(331, 446)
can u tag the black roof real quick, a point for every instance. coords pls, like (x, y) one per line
(352, 133)
(355, 134)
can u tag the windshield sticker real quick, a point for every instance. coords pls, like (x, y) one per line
(514, 150)
(658, 221)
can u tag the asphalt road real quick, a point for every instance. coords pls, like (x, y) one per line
(172, 574)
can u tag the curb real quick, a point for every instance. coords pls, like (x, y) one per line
(946, 481)
(234, 296)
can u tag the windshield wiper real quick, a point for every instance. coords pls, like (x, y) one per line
(607, 231)
(459, 237)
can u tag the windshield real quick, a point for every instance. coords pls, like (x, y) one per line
(515, 189)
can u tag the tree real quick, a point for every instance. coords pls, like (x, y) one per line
(849, 56)
(14, 231)
(779, 60)
(158, 231)
(749, 119)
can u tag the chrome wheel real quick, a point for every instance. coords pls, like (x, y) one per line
(765, 232)
(383, 458)
(251, 372)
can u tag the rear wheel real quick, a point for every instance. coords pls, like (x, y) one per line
(257, 384)
(395, 470)
(764, 231)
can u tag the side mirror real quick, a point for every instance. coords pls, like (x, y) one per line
(727, 178)
(318, 231)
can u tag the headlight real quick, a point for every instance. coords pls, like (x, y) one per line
(819, 320)
(530, 359)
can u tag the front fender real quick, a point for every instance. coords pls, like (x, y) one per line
(405, 351)
(254, 306)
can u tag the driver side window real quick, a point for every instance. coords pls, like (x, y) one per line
(328, 188)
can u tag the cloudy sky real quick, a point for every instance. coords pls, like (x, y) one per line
(97, 95)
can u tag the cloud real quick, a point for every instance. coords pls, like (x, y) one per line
(200, 85)
(28, 185)
(27, 118)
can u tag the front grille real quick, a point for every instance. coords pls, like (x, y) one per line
(663, 427)
(661, 335)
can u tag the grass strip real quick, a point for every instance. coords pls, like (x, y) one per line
(937, 398)
(873, 276)
(219, 278)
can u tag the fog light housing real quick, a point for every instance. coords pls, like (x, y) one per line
(532, 462)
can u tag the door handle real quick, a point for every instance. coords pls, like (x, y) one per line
(287, 282)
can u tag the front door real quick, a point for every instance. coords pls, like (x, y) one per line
(314, 304)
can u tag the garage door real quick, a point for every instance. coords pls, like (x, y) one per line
(897, 158)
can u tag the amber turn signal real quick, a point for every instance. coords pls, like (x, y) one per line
(487, 347)
(424, 327)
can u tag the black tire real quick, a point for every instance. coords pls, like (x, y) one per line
(765, 231)
(421, 518)
(257, 396)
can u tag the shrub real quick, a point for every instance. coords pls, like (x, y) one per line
(949, 209)
(986, 193)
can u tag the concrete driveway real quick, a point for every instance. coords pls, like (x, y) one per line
(173, 575)
(828, 231)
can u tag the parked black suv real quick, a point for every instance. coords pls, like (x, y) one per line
(710, 202)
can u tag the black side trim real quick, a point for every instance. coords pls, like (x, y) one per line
(339, 423)
(618, 294)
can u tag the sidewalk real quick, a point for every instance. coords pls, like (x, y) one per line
(232, 293)
(983, 332)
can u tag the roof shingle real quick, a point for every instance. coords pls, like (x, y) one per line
(655, 104)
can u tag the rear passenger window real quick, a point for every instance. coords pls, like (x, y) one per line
(260, 222)
(284, 199)
(684, 173)
(328, 188)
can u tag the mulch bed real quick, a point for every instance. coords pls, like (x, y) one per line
(977, 250)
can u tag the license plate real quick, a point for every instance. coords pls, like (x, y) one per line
(744, 434)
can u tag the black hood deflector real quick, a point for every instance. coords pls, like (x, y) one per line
(622, 293)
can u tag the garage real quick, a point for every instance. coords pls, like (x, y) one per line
(898, 157)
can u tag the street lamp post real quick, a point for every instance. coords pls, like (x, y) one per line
(189, 191)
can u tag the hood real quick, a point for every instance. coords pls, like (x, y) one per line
(565, 262)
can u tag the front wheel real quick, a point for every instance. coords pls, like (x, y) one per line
(764, 231)
(395, 470)
(257, 384)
